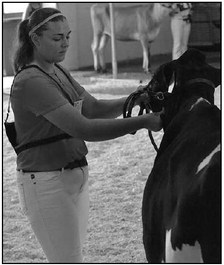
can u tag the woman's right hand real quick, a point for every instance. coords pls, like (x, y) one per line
(153, 122)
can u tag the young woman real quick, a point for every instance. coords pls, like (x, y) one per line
(51, 107)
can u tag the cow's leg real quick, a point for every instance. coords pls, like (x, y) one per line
(153, 231)
(95, 51)
(148, 66)
(188, 254)
(103, 43)
(211, 228)
(146, 55)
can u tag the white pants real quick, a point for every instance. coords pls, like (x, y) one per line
(57, 205)
(180, 31)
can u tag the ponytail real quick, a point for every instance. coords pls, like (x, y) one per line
(24, 48)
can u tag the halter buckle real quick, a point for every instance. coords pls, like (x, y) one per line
(159, 96)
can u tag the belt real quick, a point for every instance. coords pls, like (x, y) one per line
(74, 164)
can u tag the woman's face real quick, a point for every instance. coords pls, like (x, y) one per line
(52, 45)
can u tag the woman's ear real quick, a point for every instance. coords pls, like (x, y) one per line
(35, 39)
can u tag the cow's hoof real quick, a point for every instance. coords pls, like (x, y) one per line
(148, 71)
(103, 71)
(98, 70)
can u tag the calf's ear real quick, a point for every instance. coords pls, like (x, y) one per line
(217, 74)
(192, 56)
(214, 74)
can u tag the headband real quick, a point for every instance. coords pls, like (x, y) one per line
(43, 22)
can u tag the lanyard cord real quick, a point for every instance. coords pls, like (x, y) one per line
(8, 109)
(9, 101)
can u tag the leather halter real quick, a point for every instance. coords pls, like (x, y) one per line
(161, 95)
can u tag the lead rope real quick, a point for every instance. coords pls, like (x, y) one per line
(151, 136)
(153, 141)
(143, 106)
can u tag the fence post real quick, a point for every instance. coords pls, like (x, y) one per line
(113, 46)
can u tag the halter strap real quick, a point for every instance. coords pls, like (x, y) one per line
(200, 80)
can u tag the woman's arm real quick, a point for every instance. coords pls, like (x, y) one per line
(72, 122)
(99, 108)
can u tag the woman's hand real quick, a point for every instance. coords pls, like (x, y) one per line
(153, 122)
(143, 98)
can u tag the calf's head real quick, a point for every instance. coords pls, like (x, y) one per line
(184, 78)
(188, 73)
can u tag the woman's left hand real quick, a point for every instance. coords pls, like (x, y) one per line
(143, 98)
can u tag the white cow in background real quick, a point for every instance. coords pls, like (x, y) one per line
(133, 23)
